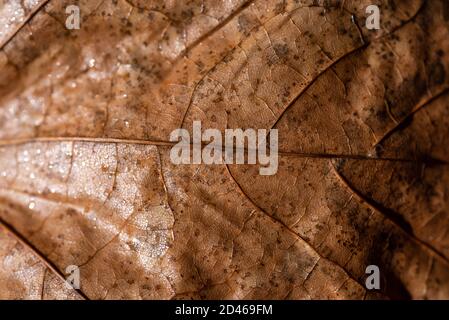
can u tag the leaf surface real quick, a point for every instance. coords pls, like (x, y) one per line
(86, 177)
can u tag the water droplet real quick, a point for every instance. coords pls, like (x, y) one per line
(24, 156)
(91, 63)
(91, 216)
(32, 205)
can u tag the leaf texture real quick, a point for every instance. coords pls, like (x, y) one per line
(86, 178)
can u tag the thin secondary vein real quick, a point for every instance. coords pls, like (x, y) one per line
(393, 217)
(21, 239)
(24, 23)
(277, 221)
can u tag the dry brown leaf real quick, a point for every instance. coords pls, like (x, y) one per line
(86, 178)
